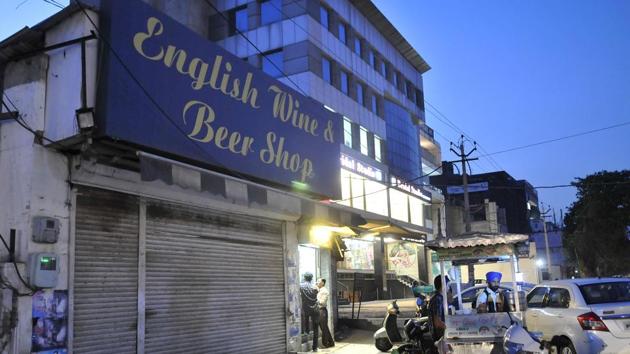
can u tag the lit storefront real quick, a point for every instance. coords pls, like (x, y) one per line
(387, 252)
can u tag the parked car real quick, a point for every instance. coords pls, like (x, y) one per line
(582, 316)
(469, 295)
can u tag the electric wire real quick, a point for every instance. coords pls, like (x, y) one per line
(17, 271)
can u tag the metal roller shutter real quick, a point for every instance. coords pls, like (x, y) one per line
(105, 272)
(214, 282)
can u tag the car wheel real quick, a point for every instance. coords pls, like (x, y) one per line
(566, 347)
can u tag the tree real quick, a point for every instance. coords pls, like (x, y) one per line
(596, 225)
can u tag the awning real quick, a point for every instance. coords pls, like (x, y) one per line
(389, 226)
(474, 239)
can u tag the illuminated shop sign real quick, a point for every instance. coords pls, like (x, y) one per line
(398, 183)
(361, 168)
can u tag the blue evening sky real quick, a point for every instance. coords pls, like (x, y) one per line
(509, 73)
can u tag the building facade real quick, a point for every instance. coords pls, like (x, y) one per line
(557, 256)
(348, 56)
(154, 180)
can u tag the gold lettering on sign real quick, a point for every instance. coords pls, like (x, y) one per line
(219, 79)
(204, 132)
(286, 108)
(276, 154)
(154, 28)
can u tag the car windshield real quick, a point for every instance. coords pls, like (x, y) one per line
(601, 293)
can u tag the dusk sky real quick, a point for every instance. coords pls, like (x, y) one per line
(508, 73)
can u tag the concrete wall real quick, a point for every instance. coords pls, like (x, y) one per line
(34, 181)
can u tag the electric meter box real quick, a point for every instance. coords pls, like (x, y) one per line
(45, 229)
(43, 269)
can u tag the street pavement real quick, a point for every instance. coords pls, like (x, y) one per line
(358, 342)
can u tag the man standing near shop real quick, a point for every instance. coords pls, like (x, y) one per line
(322, 301)
(310, 311)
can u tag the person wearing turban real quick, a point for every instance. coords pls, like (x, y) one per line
(492, 299)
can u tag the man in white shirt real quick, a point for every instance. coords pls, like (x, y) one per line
(322, 301)
(491, 298)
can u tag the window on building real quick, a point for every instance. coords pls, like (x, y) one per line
(374, 104)
(395, 78)
(270, 11)
(357, 46)
(404, 85)
(273, 63)
(342, 33)
(377, 149)
(399, 205)
(410, 91)
(372, 59)
(344, 82)
(239, 20)
(375, 197)
(417, 210)
(360, 94)
(326, 70)
(384, 68)
(323, 17)
(363, 140)
(347, 132)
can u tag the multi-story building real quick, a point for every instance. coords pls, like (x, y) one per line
(157, 181)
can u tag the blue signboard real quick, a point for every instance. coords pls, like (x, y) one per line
(167, 89)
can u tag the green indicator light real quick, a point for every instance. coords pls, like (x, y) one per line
(45, 259)
(300, 185)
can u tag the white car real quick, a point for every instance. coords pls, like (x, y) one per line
(583, 316)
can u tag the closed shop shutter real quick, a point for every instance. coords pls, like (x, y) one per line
(106, 272)
(214, 282)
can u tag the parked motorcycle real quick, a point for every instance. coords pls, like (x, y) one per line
(415, 335)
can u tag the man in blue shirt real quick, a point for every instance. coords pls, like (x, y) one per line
(436, 308)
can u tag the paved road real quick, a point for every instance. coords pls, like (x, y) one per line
(359, 342)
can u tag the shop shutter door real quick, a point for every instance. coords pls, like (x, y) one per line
(214, 282)
(106, 272)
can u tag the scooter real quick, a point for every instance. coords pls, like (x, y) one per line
(416, 335)
(518, 340)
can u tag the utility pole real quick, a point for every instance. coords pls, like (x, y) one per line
(543, 215)
(464, 159)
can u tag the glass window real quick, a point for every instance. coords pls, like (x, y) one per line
(342, 33)
(384, 68)
(404, 84)
(344, 82)
(375, 197)
(399, 205)
(537, 297)
(360, 94)
(270, 11)
(416, 207)
(363, 140)
(358, 191)
(273, 64)
(395, 77)
(345, 188)
(357, 46)
(347, 132)
(374, 104)
(240, 19)
(326, 73)
(559, 298)
(372, 59)
(377, 149)
(323, 16)
(601, 293)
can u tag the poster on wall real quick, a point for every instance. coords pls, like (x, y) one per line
(402, 258)
(50, 322)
